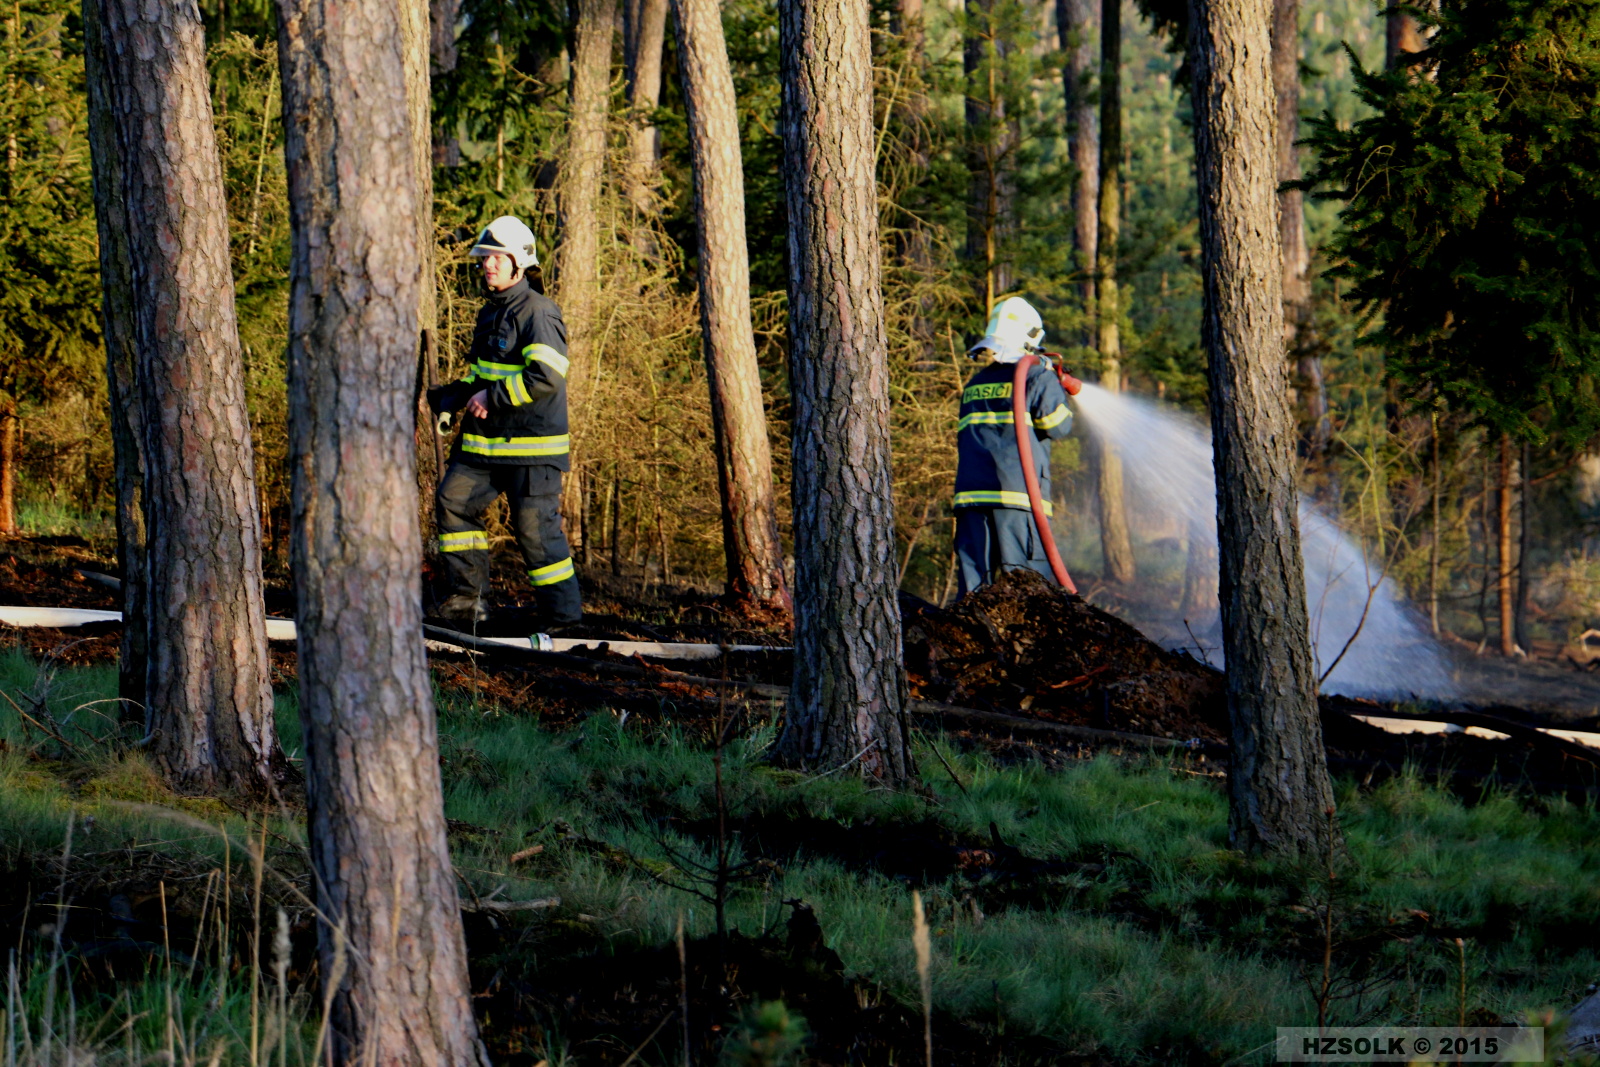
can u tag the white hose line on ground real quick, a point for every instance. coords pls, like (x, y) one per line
(283, 630)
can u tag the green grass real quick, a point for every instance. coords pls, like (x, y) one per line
(1179, 950)
(45, 517)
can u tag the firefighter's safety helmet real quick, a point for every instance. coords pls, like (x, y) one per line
(508, 236)
(1014, 330)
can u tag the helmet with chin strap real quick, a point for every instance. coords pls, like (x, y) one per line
(507, 236)
(1014, 330)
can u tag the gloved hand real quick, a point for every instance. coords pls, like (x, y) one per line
(451, 397)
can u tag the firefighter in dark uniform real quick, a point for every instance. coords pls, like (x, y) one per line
(513, 437)
(994, 520)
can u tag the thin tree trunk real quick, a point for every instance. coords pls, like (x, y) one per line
(1280, 796)
(847, 705)
(1508, 639)
(644, 27)
(117, 326)
(375, 810)
(1199, 574)
(1524, 485)
(1433, 541)
(417, 39)
(1077, 24)
(990, 203)
(442, 18)
(207, 684)
(744, 455)
(1116, 544)
(8, 466)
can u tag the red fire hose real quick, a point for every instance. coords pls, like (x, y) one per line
(1022, 422)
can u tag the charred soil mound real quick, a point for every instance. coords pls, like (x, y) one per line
(1022, 643)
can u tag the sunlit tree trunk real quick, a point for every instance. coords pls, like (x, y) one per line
(375, 813)
(744, 456)
(117, 326)
(207, 686)
(8, 465)
(1402, 34)
(1508, 633)
(1279, 793)
(847, 704)
(644, 24)
(1116, 544)
(1077, 26)
(991, 199)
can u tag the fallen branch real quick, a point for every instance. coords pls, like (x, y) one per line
(503, 906)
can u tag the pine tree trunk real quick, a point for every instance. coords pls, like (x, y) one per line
(990, 143)
(1524, 533)
(644, 27)
(207, 686)
(1508, 639)
(1402, 35)
(744, 456)
(417, 41)
(847, 703)
(1280, 797)
(375, 810)
(1116, 544)
(1077, 25)
(117, 326)
(8, 466)
(1315, 429)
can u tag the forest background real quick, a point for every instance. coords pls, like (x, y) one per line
(644, 499)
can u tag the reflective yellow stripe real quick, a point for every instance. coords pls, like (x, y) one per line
(984, 418)
(1053, 419)
(555, 572)
(485, 369)
(518, 390)
(991, 391)
(515, 446)
(1003, 498)
(547, 355)
(465, 541)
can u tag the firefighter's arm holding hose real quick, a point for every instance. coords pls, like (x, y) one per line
(1047, 403)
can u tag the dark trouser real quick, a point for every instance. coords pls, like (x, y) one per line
(990, 540)
(534, 494)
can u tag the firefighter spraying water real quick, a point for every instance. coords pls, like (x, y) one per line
(1011, 411)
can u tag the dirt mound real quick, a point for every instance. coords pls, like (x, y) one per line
(1022, 644)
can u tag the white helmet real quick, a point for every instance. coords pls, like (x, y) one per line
(507, 235)
(1014, 330)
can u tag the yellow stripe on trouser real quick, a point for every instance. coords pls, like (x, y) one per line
(555, 572)
(999, 498)
(465, 541)
(515, 446)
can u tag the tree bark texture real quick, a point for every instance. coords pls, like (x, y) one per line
(1508, 637)
(847, 704)
(1280, 797)
(644, 27)
(744, 455)
(375, 810)
(207, 685)
(1078, 25)
(1116, 544)
(579, 255)
(117, 326)
(991, 143)
(417, 38)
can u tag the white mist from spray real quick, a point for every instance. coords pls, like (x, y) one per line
(1361, 623)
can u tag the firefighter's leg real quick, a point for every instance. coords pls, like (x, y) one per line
(974, 546)
(465, 493)
(1019, 542)
(536, 517)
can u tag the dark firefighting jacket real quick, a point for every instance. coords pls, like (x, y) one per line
(988, 468)
(519, 352)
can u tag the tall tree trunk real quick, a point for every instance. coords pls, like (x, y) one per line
(990, 142)
(1402, 35)
(1508, 639)
(207, 687)
(644, 25)
(375, 810)
(1280, 797)
(442, 18)
(1315, 429)
(744, 456)
(8, 465)
(1434, 547)
(1199, 573)
(417, 39)
(1524, 535)
(1077, 24)
(117, 326)
(847, 704)
(1116, 544)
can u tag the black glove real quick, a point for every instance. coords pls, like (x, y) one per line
(451, 397)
